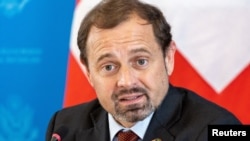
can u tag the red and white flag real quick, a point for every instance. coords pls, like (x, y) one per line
(213, 56)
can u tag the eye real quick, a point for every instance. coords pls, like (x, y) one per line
(142, 62)
(109, 68)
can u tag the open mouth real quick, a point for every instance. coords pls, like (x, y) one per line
(131, 98)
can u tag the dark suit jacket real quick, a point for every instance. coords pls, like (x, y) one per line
(182, 116)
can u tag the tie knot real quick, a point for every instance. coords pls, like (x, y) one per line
(127, 136)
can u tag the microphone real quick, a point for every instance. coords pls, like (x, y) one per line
(59, 134)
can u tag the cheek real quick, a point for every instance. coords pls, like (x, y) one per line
(157, 83)
(156, 77)
(104, 89)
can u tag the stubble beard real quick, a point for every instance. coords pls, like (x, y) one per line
(135, 112)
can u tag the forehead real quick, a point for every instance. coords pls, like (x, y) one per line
(133, 28)
(125, 40)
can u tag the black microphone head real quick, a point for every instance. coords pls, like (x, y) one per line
(60, 133)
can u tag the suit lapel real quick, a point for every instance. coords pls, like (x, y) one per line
(160, 127)
(100, 131)
(164, 118)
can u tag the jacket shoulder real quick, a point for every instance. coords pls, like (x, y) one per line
(77, 114)
(202, 107)
(74, 118)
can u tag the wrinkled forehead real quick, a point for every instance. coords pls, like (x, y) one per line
(134, 27)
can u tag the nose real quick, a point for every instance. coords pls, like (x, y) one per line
(126, 77)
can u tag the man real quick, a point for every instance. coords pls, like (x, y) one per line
(127, 49)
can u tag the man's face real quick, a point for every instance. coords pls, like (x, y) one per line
(127, 69)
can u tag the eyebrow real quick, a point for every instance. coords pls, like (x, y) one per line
(138, 50)
(106, 55)
(133, 51)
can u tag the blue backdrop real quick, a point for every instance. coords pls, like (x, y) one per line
(34, 45)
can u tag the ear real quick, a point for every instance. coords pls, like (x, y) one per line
(169, 57)
(86, 72)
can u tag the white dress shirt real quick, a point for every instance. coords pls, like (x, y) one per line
(139, 128)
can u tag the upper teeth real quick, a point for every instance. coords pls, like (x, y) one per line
(131, 98)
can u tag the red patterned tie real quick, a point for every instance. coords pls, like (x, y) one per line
(127, 136)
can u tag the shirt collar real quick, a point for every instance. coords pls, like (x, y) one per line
(139, 128)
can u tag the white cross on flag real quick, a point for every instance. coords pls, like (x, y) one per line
(213, 52)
